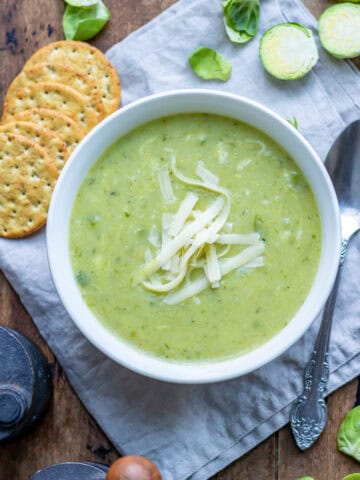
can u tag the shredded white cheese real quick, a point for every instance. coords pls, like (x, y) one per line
(154, 237)
(205, 174)
(147, 255)
(195, 240)
(222, 153)
(165, 237)
(185, 209)
(258, 143)
(165, 185)
(167, 220)
(189, 231)
(228, 227)
(226, 266)
(243, 164)
(212, 269)
(187, 291)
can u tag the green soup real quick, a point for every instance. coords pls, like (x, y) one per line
(120, 201)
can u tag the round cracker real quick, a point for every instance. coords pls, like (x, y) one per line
(62, 125)
(87, 59)
(27, 181)
(70, 76)
(54, 146)
(55, 96)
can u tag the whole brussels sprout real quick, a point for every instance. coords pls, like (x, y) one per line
(348, 438)
(352, 476)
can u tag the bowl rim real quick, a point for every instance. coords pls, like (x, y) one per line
(200, 371)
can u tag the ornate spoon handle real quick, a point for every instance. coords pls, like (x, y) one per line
(309, 413)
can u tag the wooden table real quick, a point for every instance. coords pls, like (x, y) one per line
(67, 432)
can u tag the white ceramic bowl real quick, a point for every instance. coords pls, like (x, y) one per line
(120, 123)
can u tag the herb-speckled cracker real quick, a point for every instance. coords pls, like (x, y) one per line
(62, 125)
(53, 145)
(55, 96)
(87, 59)
(27, 180)
(70, 76)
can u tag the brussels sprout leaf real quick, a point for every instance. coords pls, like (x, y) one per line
(241, 19)
(83, 23)
(348, 438)
(295, 124)
(81, 3)
(209, 64)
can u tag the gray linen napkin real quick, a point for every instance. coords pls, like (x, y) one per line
(192, 432)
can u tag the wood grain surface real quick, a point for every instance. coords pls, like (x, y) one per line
(67, 432)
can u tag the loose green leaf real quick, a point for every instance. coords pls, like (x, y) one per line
(81, 3)
(241, 19)
(352, 476)
(236, 37)
(83, 23)
(348, 438)
(209, 64)
(305, 478)
(295, 124)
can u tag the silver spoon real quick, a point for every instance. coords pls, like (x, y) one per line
(308, 415)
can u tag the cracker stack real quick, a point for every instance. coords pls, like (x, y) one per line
(63, 91)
